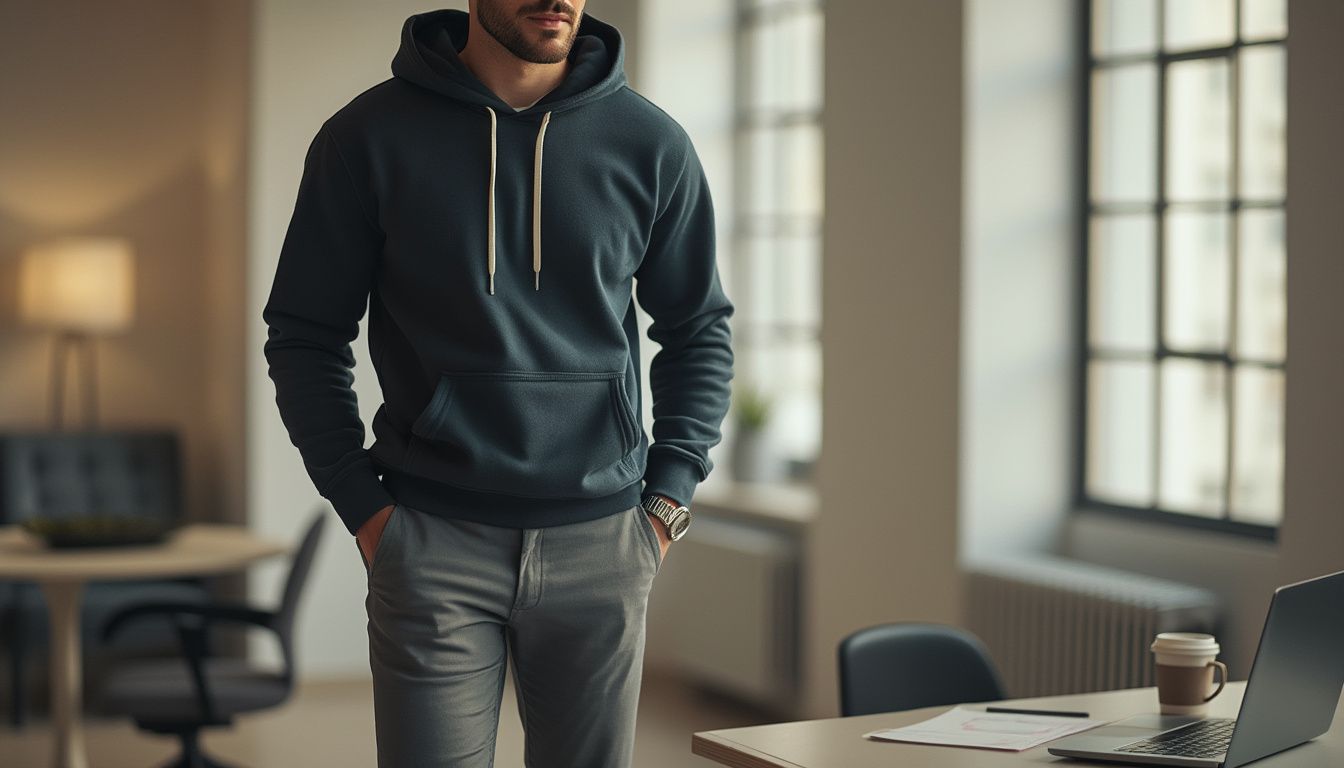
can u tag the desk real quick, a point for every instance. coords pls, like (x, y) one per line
(192, 550)
(838, 742)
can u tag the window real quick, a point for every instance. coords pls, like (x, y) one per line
(1183, 364)
(777, 216)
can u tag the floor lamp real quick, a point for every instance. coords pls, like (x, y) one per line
(80, 288)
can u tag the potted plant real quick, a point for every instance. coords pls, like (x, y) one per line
(751, 457)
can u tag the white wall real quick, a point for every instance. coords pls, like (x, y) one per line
(1019, 269)
(310, 58)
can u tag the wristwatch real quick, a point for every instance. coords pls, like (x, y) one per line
(676, 519)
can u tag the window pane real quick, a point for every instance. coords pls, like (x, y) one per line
(1120, 432)
(767, 83)
(1122, 282)
(1261, 286)
(1261, 19)
(799, 271)
(796, 418)
(1198, 24)
(801, 59)
(1194, 437)
(786, 61)
(1197, 281)
(762, 170)
(762, 295)
(1124, 133)
(1263, 108)
(754, 364)
(1198, 131)
(800, 156)
(1124, 27)
(1257, 459)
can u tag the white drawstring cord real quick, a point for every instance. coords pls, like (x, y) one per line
(490, 247)
(536, 205)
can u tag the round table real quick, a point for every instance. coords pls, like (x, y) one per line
(193, 550)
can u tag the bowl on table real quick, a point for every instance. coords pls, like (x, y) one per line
(106, 530)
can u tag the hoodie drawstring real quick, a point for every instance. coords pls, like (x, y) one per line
(536, 203)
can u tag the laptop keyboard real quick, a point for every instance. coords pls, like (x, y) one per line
(1206, 738)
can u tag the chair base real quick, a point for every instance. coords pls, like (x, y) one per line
(193, 756)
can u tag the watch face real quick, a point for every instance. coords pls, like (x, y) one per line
(679, 527)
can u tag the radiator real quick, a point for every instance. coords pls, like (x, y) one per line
(1058, 626)
(727, 605)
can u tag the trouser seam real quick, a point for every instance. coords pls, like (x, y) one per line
(523, 699)
(499, 695)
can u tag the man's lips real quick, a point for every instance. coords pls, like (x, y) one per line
(549, 19)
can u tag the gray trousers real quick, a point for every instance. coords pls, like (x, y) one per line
(448, 599)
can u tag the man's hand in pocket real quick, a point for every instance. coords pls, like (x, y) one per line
(371, 532)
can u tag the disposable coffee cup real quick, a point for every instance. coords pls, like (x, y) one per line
(1185, 663)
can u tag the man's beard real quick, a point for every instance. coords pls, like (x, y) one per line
(508, 31)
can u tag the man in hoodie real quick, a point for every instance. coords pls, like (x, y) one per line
(511, 505)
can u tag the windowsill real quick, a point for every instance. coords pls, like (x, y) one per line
(784, 503)
(1167, 521)
(1096, 520)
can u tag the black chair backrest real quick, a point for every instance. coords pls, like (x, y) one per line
(79, 473)
(299, 569)
(899, 666)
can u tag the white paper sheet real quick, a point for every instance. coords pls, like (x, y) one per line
(962, 727)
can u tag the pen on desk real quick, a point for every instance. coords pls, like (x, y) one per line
(1011, 711)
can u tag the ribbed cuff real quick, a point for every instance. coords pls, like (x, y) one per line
(671, 476)
(357, 496)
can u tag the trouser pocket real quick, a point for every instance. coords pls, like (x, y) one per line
(380, 549)
(646, 525)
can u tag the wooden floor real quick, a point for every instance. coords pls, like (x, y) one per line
(330, 724)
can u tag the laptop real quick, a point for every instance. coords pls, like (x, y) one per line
(1290, 697)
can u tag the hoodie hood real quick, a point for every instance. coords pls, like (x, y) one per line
(428, 57)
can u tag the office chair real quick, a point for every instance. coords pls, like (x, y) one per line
(56, 474)
(181, 696)
(899, 666)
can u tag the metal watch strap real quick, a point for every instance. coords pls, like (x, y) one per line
(668, 513)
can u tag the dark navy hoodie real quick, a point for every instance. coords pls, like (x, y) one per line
(496, 252)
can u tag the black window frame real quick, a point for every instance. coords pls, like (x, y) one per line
(1088, 63)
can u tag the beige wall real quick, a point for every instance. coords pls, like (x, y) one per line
(126, 119)
(884, 545)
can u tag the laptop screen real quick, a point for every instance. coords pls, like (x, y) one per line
(1298, 672)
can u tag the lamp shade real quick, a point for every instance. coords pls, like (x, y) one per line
(83, 284)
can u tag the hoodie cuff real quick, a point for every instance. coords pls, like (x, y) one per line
(358, 495)
(671, 476)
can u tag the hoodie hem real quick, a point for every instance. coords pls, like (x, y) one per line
(455, 503)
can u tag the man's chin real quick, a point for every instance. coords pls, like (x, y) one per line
(547, 54)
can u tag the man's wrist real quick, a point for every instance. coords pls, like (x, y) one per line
(666, 526)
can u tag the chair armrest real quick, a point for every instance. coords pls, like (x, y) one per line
(209, 612)
(193, 636)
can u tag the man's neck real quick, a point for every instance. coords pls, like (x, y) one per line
(512, 79)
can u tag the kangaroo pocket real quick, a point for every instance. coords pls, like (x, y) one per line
(542, 434)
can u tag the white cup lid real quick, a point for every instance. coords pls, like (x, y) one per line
(1185, 644)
